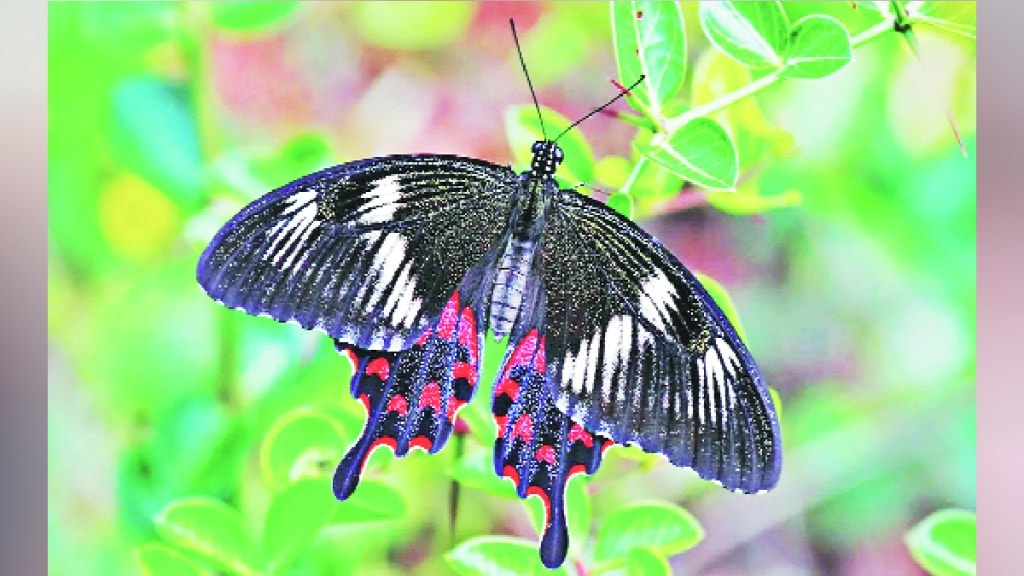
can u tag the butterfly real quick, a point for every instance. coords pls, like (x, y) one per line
(407, 261)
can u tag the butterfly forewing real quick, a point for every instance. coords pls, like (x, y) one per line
(367, 251)
(638, 351)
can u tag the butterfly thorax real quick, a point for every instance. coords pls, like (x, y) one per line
(533, 199)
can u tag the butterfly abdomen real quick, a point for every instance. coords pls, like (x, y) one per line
(510, 284)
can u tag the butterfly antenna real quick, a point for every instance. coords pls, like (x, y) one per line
(622, 92)
(522, 62)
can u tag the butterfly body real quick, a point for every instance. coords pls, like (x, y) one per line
(406, 261)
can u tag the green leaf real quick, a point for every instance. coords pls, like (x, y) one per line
(212, 529)
(747, 201)
(373, 501)
(663, 528)
(476, 470)
(251, 173)
(650, 40)
(612, 171)
(160, 560)
(153, 132)
(577, 510)
(945, 543)
(295, 516)
(958, 17)
(251, 16)
(499, 556)
(721, 297)
(412, 25)
(642, 561)
(819, 45)
(752, 33)
(621, 203)
(700, 151)
(522, 127)
(303, 443)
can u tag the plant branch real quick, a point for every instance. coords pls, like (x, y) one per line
(675, 123)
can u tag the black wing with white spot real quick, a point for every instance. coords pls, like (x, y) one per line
(367, 251)
(637, 350)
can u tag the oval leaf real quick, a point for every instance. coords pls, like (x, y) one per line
(303, 443)
(577, 510)
(621, 203)
(958, 17)
(819, 45)
(945, 543)
(752, 33)
(752, 203)
(251, 16)
(160, 560)
(701, 151)
(522, 127)
(476, 470)
(373, 501)
(498, 556)
(153, 132)
(295, 517)
(642, 561)
(650, 40)
(211, 529)
(665, 529)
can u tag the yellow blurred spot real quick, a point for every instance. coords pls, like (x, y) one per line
(137, 220)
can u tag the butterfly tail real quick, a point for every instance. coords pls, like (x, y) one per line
(412, 397)
(538, 447)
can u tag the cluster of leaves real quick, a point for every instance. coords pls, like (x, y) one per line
(697, 124)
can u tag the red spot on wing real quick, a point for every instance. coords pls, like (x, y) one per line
(510, 472)
(422, 340)
(350, 354)
(501, 421)
(430, 396)
(449, 317)
(524, 350)
(546, 453)
(366, 402)
(399, 404)
(379, 367)
(578, 433)
(453, 406)
(421, 442)
(468, 336)
(507, 386)
(576, 470)
(465, 370)
(523, 429)
(539, 363)
(608, 443)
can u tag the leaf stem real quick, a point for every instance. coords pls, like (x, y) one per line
(673, 124)
(627, 188)
(872, 33)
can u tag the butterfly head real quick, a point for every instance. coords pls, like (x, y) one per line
(546, 158)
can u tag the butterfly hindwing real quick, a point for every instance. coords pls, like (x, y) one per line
(367, 251)
(412, 397)
(538, 447)
(637, 350)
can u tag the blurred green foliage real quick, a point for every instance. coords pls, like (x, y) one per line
(795, 154)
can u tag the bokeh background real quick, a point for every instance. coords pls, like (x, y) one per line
(855, 288)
